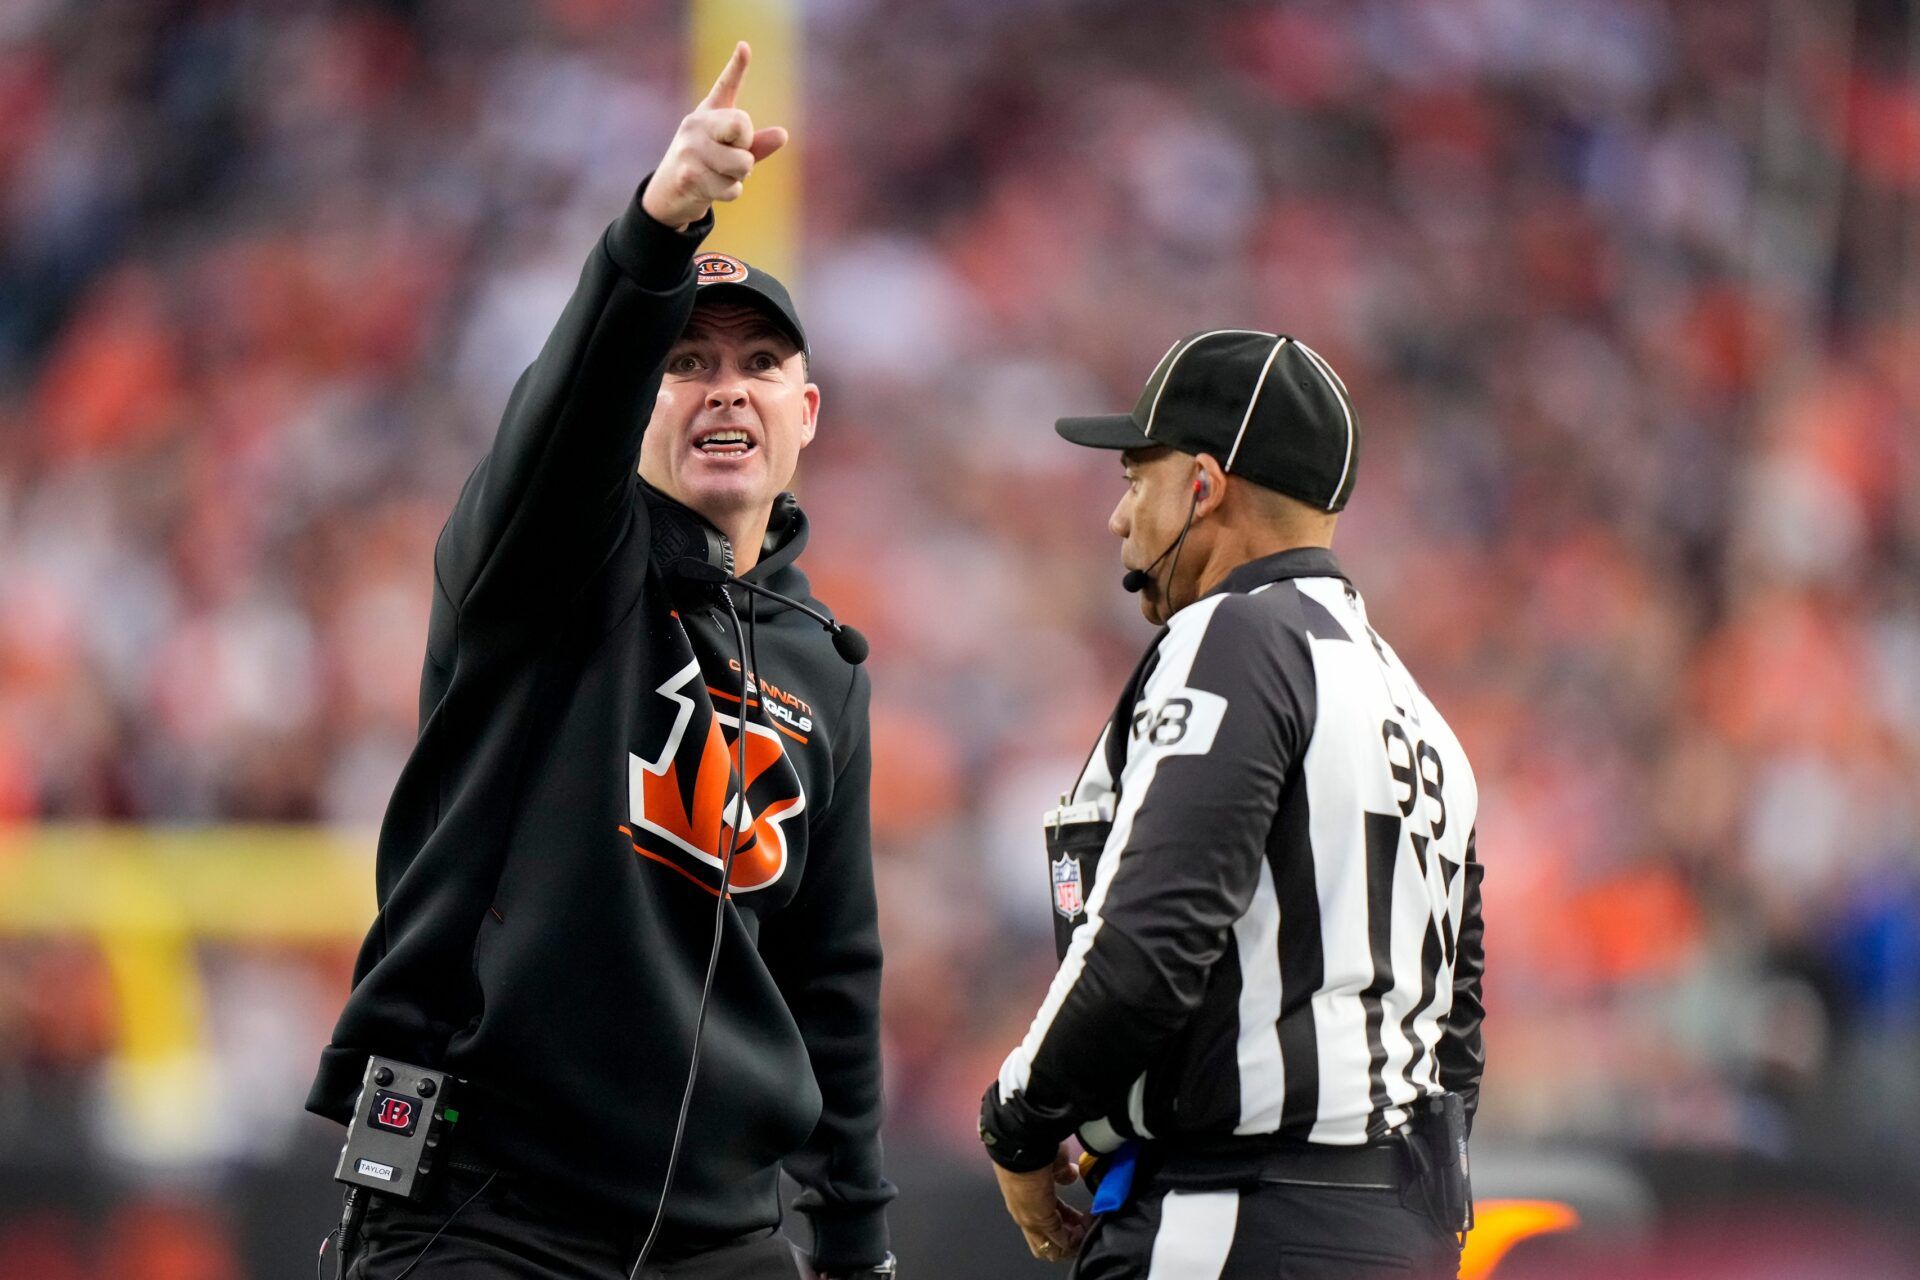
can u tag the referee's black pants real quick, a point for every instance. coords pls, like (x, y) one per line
(1269, 1231)
(493, 1227)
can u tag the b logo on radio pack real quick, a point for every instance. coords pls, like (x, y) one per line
(394, 1113)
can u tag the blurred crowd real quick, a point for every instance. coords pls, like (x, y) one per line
(1627, 293)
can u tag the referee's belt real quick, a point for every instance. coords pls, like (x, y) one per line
(1219, 1164)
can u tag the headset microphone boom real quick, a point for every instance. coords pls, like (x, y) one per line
(1136, 580)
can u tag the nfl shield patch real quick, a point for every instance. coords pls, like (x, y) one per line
(1066, 886)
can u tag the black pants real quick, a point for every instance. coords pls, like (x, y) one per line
(1274, 1231)
(498, 1229)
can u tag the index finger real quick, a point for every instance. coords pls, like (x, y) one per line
(727, 87)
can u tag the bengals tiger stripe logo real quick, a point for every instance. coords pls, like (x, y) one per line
(683, 804)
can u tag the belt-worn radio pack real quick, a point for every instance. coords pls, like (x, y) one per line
(397, 1127)
(1439, 1141)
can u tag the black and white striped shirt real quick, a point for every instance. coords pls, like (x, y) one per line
(1284, 936)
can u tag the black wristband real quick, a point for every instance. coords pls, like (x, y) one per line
(1011, 1146)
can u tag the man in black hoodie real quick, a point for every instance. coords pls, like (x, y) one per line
(550, 865)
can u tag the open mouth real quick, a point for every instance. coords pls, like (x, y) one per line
(725, 443)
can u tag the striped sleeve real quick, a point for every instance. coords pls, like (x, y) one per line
(1215, 729)
(1461, 1054)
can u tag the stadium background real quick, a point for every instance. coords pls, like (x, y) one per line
(1628, 292)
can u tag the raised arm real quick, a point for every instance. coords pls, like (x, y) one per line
(554, 493)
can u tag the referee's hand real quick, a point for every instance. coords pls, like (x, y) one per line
(712, 152)
(1053, 1228)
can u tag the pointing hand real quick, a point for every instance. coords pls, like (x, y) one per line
(712, 152)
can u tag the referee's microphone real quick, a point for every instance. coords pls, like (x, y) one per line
(848, 643)
(1136, 580)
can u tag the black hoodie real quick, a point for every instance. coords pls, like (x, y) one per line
(547, 868)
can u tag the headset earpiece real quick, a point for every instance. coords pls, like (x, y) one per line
(785, 508)
(1201, 485)
(679, 534)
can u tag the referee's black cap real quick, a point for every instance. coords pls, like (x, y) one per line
(721, 277)
(1268, 406)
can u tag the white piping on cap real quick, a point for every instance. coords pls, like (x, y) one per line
(1155, 406)
(1339, 390)
(1195, 341)
(1329, 368)
(1259, 384)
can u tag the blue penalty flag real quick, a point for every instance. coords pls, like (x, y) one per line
(1116, 1181)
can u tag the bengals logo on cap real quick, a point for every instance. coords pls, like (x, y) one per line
(718, 268)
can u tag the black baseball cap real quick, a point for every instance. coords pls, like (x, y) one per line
(718, 276)
(1266, 405)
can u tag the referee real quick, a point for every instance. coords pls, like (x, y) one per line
(1266, 1022)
